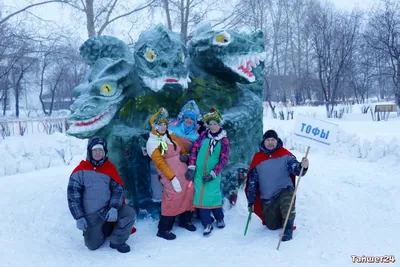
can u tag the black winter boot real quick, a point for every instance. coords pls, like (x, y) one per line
(123, 248)
(185, 221)
(166, 235)
(188, 226)
(288, 233)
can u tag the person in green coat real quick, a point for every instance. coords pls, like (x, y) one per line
(208, 157)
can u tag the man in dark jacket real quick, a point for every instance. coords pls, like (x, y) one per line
(271, 183)
(96, 200)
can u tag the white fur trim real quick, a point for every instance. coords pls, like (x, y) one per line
(153, 143)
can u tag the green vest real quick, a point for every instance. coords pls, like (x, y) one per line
(207, 195)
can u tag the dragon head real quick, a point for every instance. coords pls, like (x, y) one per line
(231, 55)
(160, 60)
(100, 98)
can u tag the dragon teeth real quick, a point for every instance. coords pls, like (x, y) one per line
(107, 117)
(254, 59)
(156, 84)
(160, 84)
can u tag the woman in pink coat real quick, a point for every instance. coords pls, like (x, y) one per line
(165, 149)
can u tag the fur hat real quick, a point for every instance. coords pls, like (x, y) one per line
(270, 134)
(214, 115)
(159, 117)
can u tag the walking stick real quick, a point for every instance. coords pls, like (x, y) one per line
(291, 203)
(248, 221)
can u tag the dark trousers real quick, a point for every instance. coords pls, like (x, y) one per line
(205, 215)
(98, 229)
(167, 222)
(276, 211)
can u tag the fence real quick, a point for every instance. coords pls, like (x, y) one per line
(39, 126)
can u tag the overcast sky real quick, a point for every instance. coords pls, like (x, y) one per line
(65, 18)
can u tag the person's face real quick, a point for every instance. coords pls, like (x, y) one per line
(188, 121)
(162, 128)
(97, 154)
(214, 126)
(270, 143)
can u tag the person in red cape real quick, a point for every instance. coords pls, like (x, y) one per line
(96, 200)
(271, 183)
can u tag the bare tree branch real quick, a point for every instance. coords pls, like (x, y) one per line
(108, 22)
(28, 7)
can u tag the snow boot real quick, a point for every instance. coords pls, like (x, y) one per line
(212, 219)
(288, 233)
(123, 248)
(220, 224)
(188, 226)
(166, 235)
(208, 229)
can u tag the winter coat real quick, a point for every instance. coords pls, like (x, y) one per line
(270, 173)
(91, 189)
(208, 195)
(168, 167)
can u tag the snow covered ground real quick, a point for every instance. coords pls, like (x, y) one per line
(346, 205)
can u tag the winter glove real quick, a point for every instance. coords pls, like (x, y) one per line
(81, 224)
(304, 163)
(209, 177)
(176, 184)
(112, 215)
(184, 158)
(190, 173)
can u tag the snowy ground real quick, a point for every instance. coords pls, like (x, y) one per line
(346, 205)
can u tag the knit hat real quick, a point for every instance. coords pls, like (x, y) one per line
(270, 134)
(98, 146)
(214, 115)
(160, 116)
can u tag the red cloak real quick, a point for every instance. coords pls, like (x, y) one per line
(257, 159)
(108, 169)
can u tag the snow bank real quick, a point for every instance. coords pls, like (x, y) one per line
(350, 144)
(34, 152)
(359, 136)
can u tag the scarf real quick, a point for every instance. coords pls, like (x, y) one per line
(215, 138)
(163, 145)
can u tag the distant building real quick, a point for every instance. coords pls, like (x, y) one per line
(58, 104)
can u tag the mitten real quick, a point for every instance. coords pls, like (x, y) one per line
(112, 215)
(209, 177)
(81, 224)
(176, 184)
(190, 173)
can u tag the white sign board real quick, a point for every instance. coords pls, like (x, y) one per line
(313, 132)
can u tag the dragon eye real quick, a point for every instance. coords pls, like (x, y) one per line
(150, 55)
(182, 55)
(222, 38)
(106, 89)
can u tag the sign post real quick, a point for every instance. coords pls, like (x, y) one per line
(310, 132)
